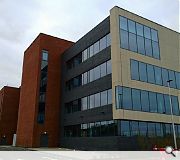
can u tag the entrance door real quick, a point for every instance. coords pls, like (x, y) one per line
(4, 141)
(44, 140)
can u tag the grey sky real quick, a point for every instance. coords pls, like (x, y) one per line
(22, 20)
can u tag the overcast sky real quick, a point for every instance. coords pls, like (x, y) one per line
(22, 20)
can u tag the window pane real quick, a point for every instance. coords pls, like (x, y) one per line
(143, 128)
(136, 99)
(134, 128)
(103, 69)
(172, 77)
(85, 55)
(159, 130)
(175, 105)
(145, 101)
(160, 102)
(154, 35)
(142, 72)
(84, 103)
(151, 130)
(167, 104)
(91, 51)
(134, 70)
(85, 78)
(118, 97)
(140, 43)
(97, 100)
(139, 28)
(96, 47)
(132, 42)
(147, 32)
(150, 73)
(153, 102)
(148, 47)
(127, 101)
(103, 98)
(45, 55)
(165, 76)
(110, 96)
(125, 130)
(109, 67)
(177, 76)
(91, 75)
(158, 75)
(131, 26)
(123, 23)
(108, 40)
(124, 39)
(155, 47)
(97, 73)
(102, 43)
(91, 101)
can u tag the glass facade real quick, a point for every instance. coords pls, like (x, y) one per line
(92, 101)
(43, 85)
(139, 38)
(153, 74)
(124, 128)
(89, 76)
(146, 101)
(89, 52)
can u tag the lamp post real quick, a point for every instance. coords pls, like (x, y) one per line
(174, 134)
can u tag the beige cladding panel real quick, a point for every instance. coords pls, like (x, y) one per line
(170, 59)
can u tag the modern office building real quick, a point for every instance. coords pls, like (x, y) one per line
(107, 91)
(115, 94)
(39, 106)
(9, 104)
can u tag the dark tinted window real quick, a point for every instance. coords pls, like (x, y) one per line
(97, 100)
(175, 105)
(165, 77)
(159, 130)
(154, 35)
(124, 39)
(127, 101)
(139, 28)
(160, 102)
(125, 129)
(119, 97)
(145, 101)
(134, 70)
(148, 47)
(172, 77)
(167, 104)
(91, 51)
(150, 73)
(131, 26)
(155, 47)
(140, 43)
(102, 43)
(110, 96)
(136, 99)
(177, 75)
(132, 42)
(151, 130)
(123, 23)
(142, 72)
(96, 47)
(147, 32)
(103, 98)
(158, 76)
(153, 102)
(134, 128)
(143, 128)
(91, 75)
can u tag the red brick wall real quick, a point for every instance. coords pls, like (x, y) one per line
(9, 104)
(29, 131)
